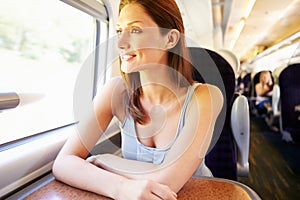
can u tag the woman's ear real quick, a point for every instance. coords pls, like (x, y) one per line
(173, 37)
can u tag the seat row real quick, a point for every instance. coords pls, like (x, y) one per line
(285, 106)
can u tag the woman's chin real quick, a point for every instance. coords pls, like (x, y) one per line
(127, 69)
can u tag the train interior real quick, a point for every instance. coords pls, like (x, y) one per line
(55, 67)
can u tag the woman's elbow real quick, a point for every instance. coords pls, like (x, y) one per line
(57, 168)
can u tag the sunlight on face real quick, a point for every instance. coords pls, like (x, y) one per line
(266, 77)
(141, 44)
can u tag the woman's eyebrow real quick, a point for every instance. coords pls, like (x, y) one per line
(130, 23)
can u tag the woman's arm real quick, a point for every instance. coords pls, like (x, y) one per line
(187, 152)
(262, 89)
(71, 167)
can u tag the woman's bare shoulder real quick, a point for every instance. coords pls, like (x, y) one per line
(112, 92)
(112, 89)
(209, 94)
(207, 89)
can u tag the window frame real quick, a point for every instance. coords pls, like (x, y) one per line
(24, 161)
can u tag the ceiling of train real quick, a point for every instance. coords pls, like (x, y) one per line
(268, 23)
(249, 27)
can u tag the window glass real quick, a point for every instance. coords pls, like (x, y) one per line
(43, 44)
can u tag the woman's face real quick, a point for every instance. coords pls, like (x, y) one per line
(140, 41)
(266, 78)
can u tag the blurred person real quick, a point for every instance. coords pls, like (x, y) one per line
(263, 91)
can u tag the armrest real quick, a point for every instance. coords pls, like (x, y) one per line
(9, 100)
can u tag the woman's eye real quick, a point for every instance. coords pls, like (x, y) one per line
(132, 30)
(135, 30)
(119, 32)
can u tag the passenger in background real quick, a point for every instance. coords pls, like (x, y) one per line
(166, 118)
(263, 91)
(243, 83)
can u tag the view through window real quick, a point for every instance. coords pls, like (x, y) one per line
(43, 44)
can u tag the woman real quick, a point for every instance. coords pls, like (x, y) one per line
(166, 119)
(263, 91)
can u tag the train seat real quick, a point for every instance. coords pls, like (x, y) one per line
(243, 84)
(240, 125)
(232, 59)
(240, 121)
(210, 67)
(252, 94)
(289, 84)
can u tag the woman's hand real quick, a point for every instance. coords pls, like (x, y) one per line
(145, 189)
(133, 188)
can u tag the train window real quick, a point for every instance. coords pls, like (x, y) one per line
(43, 45)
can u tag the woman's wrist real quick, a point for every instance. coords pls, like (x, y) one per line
(120, 188)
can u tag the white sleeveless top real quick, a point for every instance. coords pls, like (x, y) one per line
(133, 149)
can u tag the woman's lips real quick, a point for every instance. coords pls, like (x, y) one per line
(127, 57)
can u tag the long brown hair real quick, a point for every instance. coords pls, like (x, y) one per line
(166, 14)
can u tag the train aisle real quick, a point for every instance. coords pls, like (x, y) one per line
(274, 164)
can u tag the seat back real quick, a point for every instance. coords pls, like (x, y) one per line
(245, 81)
(275, 100)
(289, 84)
(240, 124)
(210, 67)
(254, 81)
(252, 94)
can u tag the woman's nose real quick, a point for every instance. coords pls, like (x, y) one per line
(123, 40)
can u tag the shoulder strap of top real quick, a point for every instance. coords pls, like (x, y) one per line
(185, 105)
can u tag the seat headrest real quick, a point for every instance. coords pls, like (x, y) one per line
(210, 67)
(232, 59)
(290, 75)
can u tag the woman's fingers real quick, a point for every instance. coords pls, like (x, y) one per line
(163, 192)
(145, 189)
